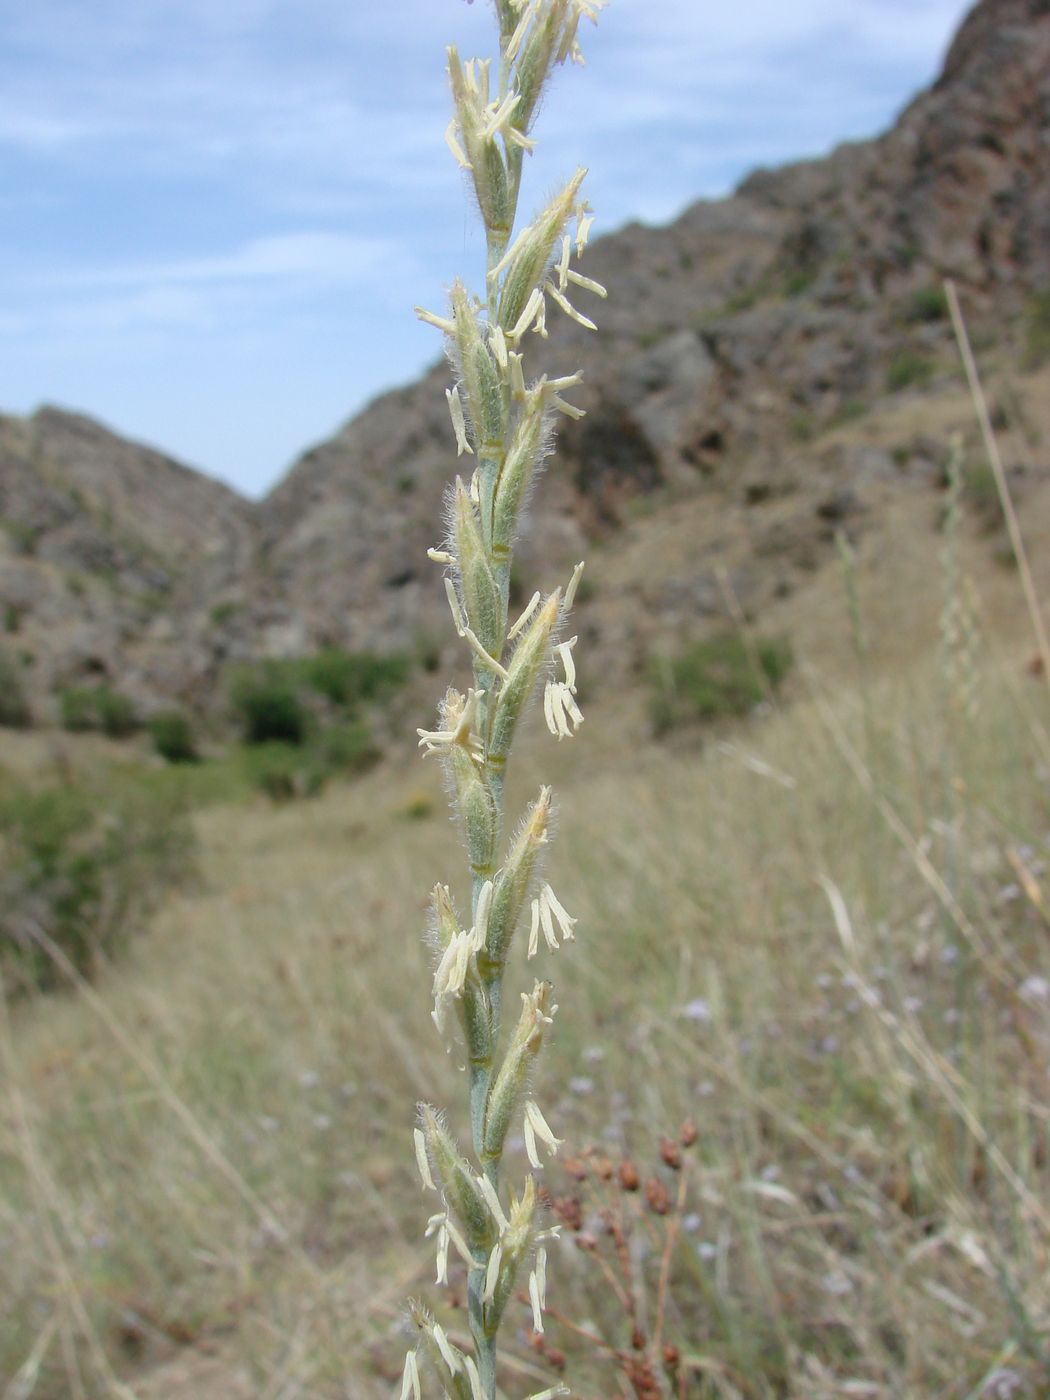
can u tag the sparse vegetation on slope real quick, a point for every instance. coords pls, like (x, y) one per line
(81, 869)
(721, 677)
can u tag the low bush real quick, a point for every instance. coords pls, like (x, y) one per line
(281, 771)
(350, 678)
(346, 748)
(98, 708)
(1037, 330)
(269, 707)
(173, 737)
(14, 708)
(81, 868)
(274, 698)
(908, 370)
(717, 678)
(286, 771)
(926, 305)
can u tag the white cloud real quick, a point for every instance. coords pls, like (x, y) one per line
(326, 257)
(38, 132)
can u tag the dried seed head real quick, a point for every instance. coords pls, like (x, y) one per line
(671, 1154)
(688, 1133)
(657, 1196)
(627, 1173)
(569, 1211)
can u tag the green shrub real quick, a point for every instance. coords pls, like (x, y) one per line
(98, 708)
(1037, 331)
(287, 771)
(849, 410)
(14, 708)
(280, 770)
(981, 490)
(802, 426)
(269, 707)
(907, 370)
(81, 867)
(77, 709)
(799, 281)
(222, 613)
(24, 538)
(349, 678)
(346, 748)
(927, 305)
(173, 737)
(717, 678)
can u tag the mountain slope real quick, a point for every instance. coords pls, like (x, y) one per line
(106, 548)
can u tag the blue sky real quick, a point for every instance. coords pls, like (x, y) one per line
(216, 215)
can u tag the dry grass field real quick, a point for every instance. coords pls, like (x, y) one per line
(821, 935)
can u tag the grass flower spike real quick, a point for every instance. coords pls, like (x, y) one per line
(503, 426)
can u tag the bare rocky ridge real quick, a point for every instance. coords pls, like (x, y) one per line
(735, 346)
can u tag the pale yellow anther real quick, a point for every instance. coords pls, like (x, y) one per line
(492, 1272)
(587, 283)
(567, 306)
(523, 620)
(410, 1379)
(563, 265)
(570, 591)
(458, 153)
(432, 319)
(533, 308)
(459, 424)
(422, 1161)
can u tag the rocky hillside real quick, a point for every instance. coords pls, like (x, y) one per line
(744, 401)
(106, 549)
